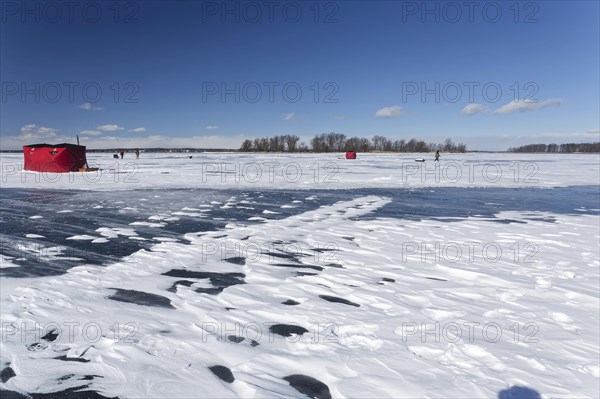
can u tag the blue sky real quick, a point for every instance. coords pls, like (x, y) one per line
(492, 75)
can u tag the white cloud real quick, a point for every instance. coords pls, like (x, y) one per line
(138, 130)
(90, 107)
(33, 131)
(109, 128)
(527, 105)
(90, 132)
(340, 117)
(211, 127)
(473, 108)
(389, 112)
(289, 116)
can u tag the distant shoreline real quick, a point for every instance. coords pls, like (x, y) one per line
(215, 150)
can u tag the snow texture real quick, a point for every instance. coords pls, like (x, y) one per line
(367, 287)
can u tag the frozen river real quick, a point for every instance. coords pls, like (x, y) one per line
(236, 275)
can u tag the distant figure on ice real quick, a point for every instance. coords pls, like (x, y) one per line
(137, 153)
(122, 153)
(116, 156)
(437, 156)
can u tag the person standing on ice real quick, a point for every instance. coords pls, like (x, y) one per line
(437, 156)
(122, 153)
(137, 153)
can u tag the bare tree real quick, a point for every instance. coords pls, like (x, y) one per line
(246, 146)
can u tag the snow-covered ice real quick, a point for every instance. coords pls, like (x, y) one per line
(368, 278)
(310, 171)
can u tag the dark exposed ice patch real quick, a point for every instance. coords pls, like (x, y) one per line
(508, 221)
(286, 256)
(301, 274)
(325, 249)
(519, 392)
(388, 280)
(236, 339)
(298, 265)
(290, 302)
(6, 374)
(338, 300)
(548, 219)
(50, 336)
(220, 281)
(223, 373)
(11, 395)
(141, 298)
(309, 386)
(210, 291)
(464, 202)
(71, 393)
(89, 377)
(286, 330)
(72, 359)
(436, 278)
(185, 283)
(237, 260)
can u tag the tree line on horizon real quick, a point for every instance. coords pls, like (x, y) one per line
(558, 148)
(337, 142)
